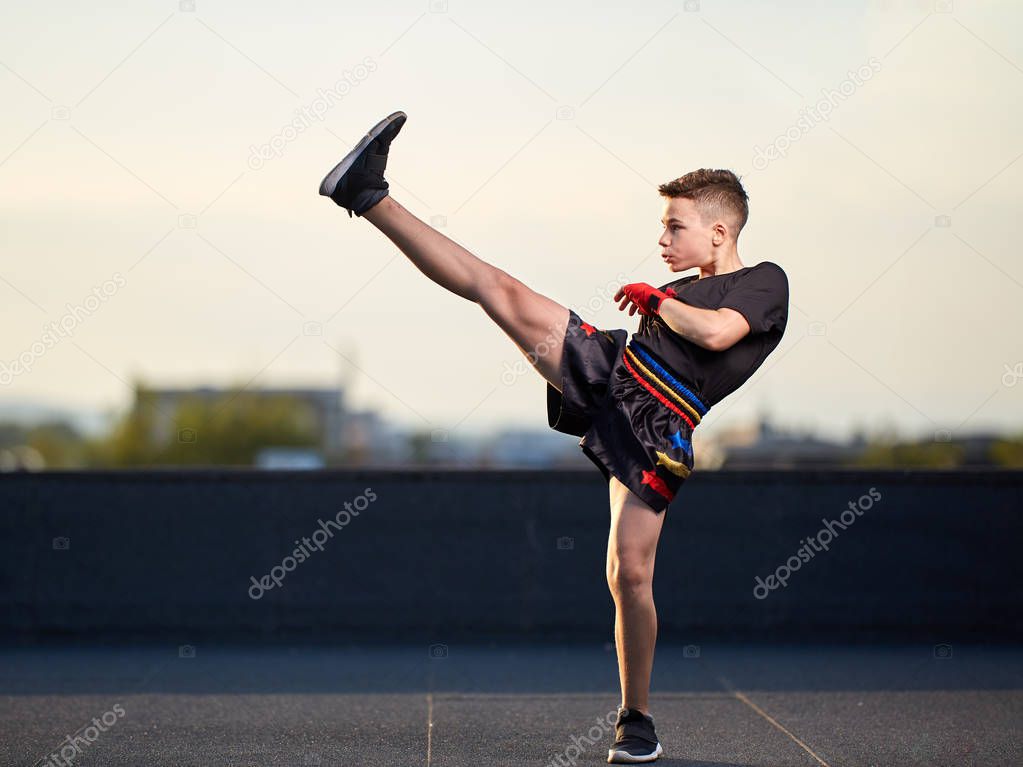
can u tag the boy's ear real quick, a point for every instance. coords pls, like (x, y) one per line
(720, 233)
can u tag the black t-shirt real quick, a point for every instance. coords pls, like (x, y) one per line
(759, 293)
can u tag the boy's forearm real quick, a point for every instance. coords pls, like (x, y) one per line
(690, 322)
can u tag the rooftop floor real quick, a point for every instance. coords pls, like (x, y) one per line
(508, 704)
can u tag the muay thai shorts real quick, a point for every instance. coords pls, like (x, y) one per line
(634, 416)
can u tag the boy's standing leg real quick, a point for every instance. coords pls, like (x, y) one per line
(631, 549)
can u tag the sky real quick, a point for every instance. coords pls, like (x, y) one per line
(159, 165)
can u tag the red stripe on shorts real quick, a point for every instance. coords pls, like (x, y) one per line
(664, 401)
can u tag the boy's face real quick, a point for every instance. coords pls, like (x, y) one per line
(686, 241)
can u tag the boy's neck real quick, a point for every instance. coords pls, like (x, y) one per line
(725, 264)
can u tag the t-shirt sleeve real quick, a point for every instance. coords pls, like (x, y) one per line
(762, 297)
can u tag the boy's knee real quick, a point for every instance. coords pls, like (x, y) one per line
(498, 289)
(629, 575)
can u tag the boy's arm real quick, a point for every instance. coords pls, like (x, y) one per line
(713, 329)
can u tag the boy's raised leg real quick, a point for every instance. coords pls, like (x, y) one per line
(533, 321)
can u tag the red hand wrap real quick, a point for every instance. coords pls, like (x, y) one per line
(646, 297)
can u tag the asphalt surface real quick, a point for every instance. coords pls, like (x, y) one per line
(507, 704)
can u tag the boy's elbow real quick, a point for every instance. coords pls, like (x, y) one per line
(715, 342)
(726, 335)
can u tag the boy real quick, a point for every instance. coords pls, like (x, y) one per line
(634, 402)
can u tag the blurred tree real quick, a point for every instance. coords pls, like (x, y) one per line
(1007, 453)
(228, 429)
(57, 442)
(931, 455)
(420, 447)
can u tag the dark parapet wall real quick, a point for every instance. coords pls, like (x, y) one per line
(440, 555)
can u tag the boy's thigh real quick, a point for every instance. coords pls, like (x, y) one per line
(533, 321)
(635, 527)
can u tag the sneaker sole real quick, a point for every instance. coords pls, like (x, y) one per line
(624, 757)
(330, 181)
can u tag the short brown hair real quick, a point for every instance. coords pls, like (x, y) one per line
(715, 192)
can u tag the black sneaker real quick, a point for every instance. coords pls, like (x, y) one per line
(357, 182)
(635, 739)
